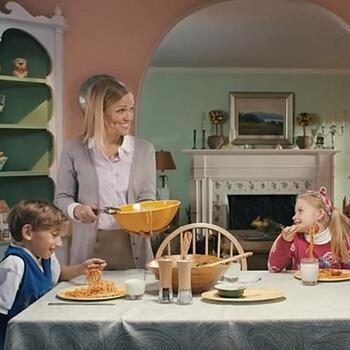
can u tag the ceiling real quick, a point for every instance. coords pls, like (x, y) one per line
(258, 34)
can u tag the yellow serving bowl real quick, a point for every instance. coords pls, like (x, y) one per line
(147, 217)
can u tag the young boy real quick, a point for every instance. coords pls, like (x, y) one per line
(30, 267)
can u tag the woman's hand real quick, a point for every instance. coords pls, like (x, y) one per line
(289, 232)
(85, 213)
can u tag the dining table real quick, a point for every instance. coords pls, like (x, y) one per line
(303, 317)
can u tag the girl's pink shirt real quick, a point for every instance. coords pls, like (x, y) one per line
(287, 255)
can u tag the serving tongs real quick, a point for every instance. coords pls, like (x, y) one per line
(107, 210)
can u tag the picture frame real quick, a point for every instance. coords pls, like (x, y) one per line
(265, 118)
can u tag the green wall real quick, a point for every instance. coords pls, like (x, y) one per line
(174, 101)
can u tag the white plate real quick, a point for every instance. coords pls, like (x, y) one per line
(62, 295)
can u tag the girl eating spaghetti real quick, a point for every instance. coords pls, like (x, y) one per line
(320, 230)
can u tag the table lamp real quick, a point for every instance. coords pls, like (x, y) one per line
(164, 161)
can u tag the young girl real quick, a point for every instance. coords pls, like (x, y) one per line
(331, 241)
(30, 267)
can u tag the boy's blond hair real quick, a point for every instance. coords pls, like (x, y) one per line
(39, 214)
(100, 96)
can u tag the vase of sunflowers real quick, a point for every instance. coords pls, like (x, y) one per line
(216, 118)
(305, 141)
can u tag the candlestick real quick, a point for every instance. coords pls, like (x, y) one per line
(203, 139)
(333, 132)
(194, 139)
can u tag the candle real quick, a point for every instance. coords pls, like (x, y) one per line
(333, 118)
(203, 123)
(194, 122)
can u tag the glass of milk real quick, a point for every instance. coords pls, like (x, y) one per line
(309, 270)
(135, 283)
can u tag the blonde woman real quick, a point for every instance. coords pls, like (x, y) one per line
(331, 243)
(106, 167)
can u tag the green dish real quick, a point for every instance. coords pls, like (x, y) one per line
(230, 290)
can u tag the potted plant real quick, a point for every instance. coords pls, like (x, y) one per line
(216, 118)
(304, 142)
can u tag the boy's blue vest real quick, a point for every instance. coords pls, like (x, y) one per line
(35, 283)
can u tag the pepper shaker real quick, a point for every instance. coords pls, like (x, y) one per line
(184, 294)
(165, 277)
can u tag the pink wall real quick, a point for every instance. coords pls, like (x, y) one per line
(118, 37)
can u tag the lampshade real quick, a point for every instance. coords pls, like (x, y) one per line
(164, 160)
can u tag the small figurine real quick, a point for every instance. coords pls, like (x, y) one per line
(20, 67)
(2, 102)
(319, 141)
(3, 159)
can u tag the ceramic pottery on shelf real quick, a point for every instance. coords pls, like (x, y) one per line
(304, 142)
(215, 141)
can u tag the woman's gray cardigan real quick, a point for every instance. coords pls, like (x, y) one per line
(77, 182)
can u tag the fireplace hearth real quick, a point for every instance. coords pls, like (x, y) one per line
(259, 174)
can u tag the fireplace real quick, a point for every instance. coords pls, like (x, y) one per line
(255, 173)
(267, 213)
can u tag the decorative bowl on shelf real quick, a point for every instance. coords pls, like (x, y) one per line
(203, 277)
(3, 160)
(147, 217)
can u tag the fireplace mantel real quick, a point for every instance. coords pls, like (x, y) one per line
(216, 173)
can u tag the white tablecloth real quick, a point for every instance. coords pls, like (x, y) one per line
(308, 318)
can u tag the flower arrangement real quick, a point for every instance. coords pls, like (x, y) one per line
(216, 117)
(304, 120)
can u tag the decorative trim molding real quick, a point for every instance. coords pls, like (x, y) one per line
(253, 70)
(224, 187)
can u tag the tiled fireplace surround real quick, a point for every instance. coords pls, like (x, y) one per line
(217, 173)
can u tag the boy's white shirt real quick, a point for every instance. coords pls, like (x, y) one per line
(11, 274)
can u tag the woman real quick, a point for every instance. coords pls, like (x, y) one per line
(106, 167)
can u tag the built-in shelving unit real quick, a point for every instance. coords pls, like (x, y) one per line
(31, 120)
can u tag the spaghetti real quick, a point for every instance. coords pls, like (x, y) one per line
(333, 273)
(96, 287)
(313, 229)
(93, 276)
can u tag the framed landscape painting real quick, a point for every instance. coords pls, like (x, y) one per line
(261, 117)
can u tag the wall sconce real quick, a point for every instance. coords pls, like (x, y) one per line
(164, 161)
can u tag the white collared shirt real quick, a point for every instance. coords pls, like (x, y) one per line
(113, 180)
(11, 274)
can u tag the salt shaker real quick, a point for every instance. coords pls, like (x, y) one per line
(165, 277)
(184, 294)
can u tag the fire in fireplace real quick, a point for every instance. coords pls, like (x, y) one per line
(265, 213)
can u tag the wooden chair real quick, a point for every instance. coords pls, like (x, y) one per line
(206, 230)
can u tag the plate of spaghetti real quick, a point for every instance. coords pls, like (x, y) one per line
(95, 289)
(330, 275)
